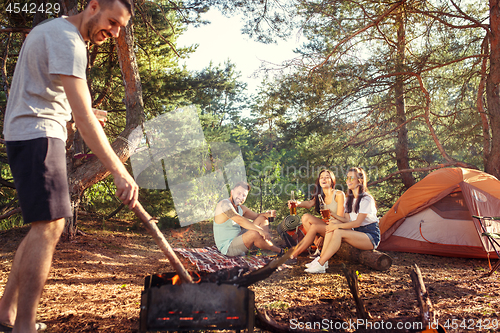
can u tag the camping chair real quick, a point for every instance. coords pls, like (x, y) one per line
(492, 238)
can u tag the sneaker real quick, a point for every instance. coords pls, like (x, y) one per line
(315, 254)
(315, 267)
(316, 260)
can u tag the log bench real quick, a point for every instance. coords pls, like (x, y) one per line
(372, 258)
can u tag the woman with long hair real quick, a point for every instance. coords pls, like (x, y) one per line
(333, 200)
(359, 228)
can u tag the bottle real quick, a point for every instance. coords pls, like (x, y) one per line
(293, 204)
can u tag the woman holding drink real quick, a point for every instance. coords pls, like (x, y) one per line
(325, 198)
(359, 226)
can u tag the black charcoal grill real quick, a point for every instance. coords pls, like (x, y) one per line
(194, 306)
(219, 300)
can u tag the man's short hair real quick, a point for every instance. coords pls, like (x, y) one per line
(126, 3)
(242, 184)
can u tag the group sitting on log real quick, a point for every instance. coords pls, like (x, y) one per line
(357, 225)
(348, 221)
(348, 227)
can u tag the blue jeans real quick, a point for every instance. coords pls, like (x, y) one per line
(373, 232)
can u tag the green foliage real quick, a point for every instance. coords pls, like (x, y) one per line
(100, 197)
(335, 109)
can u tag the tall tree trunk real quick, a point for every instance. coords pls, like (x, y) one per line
(485, 47)
(492, 165)
(92, 171)
(131, 79)
(402, 159)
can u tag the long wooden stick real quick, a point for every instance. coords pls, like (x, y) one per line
(162, 243)
(427, 314)
(352, 282)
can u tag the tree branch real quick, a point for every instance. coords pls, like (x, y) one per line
(359, 143)
(9, 30)
(434, 167)
(344, 40)
(145, 20)
(6, 183)
(10, 213)
(438, 17)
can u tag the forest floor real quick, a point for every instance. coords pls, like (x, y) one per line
(96, 281)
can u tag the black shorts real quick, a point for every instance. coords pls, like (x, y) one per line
(39, 170)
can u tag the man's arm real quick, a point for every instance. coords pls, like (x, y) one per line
(251, 215)
(79, 99)
(227, 211)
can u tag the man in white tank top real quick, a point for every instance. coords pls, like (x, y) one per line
(231, 217)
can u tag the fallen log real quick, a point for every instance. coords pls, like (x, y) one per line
(373, 258)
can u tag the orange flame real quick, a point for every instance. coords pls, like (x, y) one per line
(195, 275)
(176, 280)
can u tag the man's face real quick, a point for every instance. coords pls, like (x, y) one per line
(106, 22)
(239, 195)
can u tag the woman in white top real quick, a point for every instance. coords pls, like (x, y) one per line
(334, 200)
(359, 226)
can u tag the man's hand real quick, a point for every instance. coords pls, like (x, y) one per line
(265, 235)
(126, 189)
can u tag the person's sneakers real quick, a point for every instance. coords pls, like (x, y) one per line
(315, 254)
(41, 326)
(315, 267)
(316, 260)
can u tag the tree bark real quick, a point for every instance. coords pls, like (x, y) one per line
(69, 7)
(492, 165)
(131, 79)
(402, 159)
(3, 67)
(480, 102)
(373, 259)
